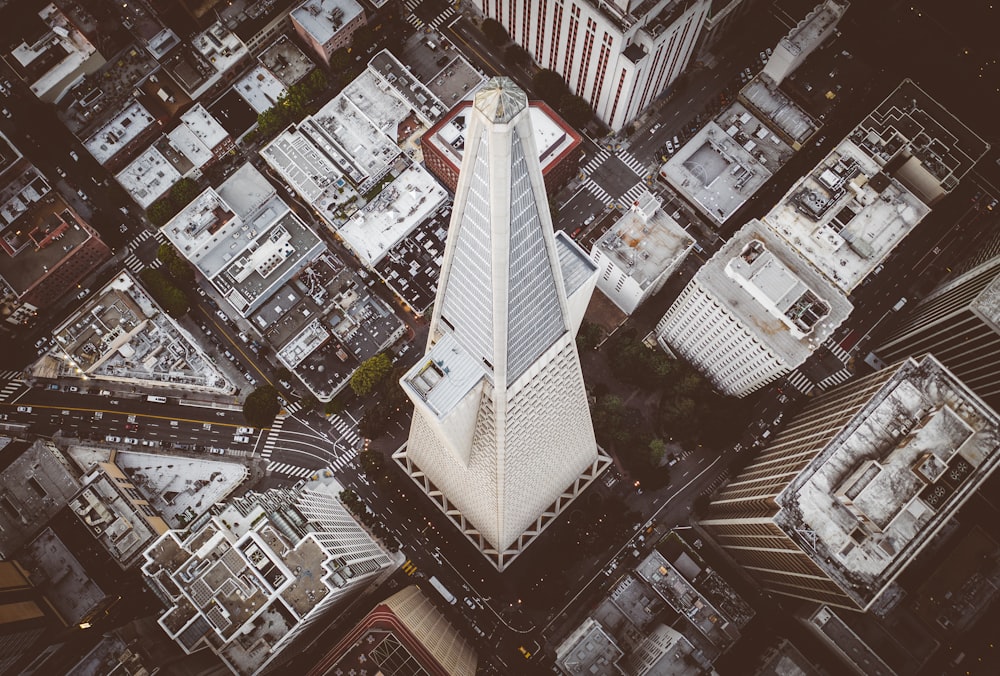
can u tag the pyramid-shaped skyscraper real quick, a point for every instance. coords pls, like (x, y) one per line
(501, 436)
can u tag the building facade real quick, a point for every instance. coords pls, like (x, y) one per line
(752, 313)
(501, 436)
(959, 323)
(246, 581)
(618, 55)
(405, 629)
(835, 508)
(327, 25)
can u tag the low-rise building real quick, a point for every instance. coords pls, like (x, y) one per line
(122, 335)
(53, 56)
(637, 255)
(244, 239)
(327, 25)
(804, 38)
(116, 514)
(210, 61)
(251, 578)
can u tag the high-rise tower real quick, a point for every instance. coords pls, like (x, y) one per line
(501, 436)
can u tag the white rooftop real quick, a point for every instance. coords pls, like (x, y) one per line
(148, 177)
(645, 242)
(205, 127)
(185, 142)
(891, 477)
(323, 18)
(220, 46)
(260, 88)
(78, 55)
(377, 101)
(846, 216)
(393, 214)
(719, 169)
(765, 284)
(808, 34)
(778, 111)
(445, 375)
(118, 132)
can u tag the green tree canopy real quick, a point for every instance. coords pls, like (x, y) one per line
(173, 301)
(550, 86)
(340, 60)
(370, 373)
(516, 55)
(261, 406)
(575, 110)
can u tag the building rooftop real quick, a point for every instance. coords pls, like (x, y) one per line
(849, 645)
(35, 482)
(445, 376)
(323, 18)
(721, 631)
(786, 660)
(393, 214)
(726, 162)
(118, 131)
(412, 267)
(807, 35)
(891, 478)
(260, 88)
(379, 102)
(645, 241)
(247, 18)
(396, 77)
(454, 80)
(9, 155)
(197, 65)
(204, 126)
(41, 240)
(286, 61)
(234, 113)
(57, 58)
(771, 289)
(19, 191)
(66, 584)
(772, 107)
(589, 650)
(846, 215)
(101, 95)
(553, 137)
(123, 524)
(148, 177)
(121, 335)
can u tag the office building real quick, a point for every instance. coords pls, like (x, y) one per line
(28, 622)
(959, 323)
(246, 581)
(637, 255)
(618, 55)
(403, 634)
(850, 492)
(805, 38)
(327, 25)
(752, 313)
(501, 436)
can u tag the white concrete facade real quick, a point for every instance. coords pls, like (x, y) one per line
(617, 60)
(501, 436)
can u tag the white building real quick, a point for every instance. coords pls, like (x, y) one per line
(755, 311)
(251, 578)
(501, 436)
(618, 55)
(637, 254)
(244, 239)
(804, 39)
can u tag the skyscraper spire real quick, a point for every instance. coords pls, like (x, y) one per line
(501, 435)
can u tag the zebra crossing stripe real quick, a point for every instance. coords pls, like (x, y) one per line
(290, 470)
(441, 18)
(598, 192)
(631, 162)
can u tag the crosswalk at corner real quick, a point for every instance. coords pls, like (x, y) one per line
(272, 438)
(632, 194)
(293, 471)
(11, 387)
(409, 567)
(595, 161)
(632, 163)
(347, 431)
(598, 192)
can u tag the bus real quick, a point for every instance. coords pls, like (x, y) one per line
(156, 399)
(442, 590)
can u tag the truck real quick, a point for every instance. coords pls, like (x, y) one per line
(156, 399)
(442, 590)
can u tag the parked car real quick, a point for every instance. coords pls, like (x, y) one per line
(113, 439)
(241, 439)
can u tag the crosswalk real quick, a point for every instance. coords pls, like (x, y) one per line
(272, 438)
(134, 264)
(443, 16)
(11, 387)
(800, 382)
(595, 161)
(841, 376)
(143, 236)
(343, 460)
(293, 408)
(598, 192)
(629, 160)
(291, 470)
(348, 432)
(840, 353)
(632, 194)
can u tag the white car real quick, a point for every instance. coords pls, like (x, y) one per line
(24, 409)
(240, 439)
(244, 430)
(131, 441)
(113, 439)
